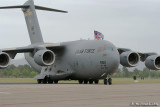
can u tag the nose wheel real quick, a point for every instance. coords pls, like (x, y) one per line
(108, 80)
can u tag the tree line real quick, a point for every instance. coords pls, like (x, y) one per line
(21, 71)
(124, 72)
(25, 71)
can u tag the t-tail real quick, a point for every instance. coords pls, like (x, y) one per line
(31, 19)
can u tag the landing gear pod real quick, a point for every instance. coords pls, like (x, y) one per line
(44, 57)
(153, 62)
(129, 59)
(4, 60)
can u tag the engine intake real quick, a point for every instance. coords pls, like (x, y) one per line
(129, 59)
(44, 57)
(153, 62)
(4, 60)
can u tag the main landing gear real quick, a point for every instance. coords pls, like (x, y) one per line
(108, 81)
(47, 81)
(88, 81)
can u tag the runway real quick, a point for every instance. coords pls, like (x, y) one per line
(76, 95)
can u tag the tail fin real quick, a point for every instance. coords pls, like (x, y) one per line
(31, 19)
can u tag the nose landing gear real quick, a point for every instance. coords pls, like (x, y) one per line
(108, 80)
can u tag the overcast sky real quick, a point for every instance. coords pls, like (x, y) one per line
(133, 24)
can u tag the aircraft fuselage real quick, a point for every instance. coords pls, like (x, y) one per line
(82, 59)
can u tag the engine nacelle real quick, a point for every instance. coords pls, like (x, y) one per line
(4, 60)
(129, 59)
(44, 57)
(153, 62)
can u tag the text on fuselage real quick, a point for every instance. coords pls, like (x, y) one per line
(85, 51)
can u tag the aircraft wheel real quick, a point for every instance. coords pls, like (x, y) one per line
(80, 81)
(105, 81)
(44, 81)
(110, 81)
(85, 81)
(56, 81)
(90, 81)
(39, 81)
(50, 81)
(96, 81)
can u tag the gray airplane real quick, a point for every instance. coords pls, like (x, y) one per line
(82, 60)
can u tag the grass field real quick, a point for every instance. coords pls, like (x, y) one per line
(115, 80)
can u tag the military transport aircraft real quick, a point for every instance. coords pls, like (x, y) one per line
(82, 60)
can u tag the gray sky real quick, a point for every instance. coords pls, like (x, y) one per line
(133, 24)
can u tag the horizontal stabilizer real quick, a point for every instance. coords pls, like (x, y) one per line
(49, 9)
(36, 7)
(10, 7)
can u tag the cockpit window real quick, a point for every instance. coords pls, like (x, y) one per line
(110, 48)
(105, 48)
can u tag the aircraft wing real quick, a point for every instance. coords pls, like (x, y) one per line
(129, 58)
(121, 50)
(44, 54)
(143, 56)
(13, 51)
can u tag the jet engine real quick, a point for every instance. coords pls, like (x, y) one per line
(129, 59)
(44, 57)
(153, 62)
(4, 60)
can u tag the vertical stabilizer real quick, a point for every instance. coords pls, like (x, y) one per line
(32, 23)
(31, 19)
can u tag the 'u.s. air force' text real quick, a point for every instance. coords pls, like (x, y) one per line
(85, 51)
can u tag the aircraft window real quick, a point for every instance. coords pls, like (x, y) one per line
(110, 48)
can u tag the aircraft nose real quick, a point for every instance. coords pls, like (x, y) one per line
(113, 60)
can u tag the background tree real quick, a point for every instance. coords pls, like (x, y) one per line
(20, 71)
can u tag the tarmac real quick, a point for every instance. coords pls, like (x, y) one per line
(80, 95)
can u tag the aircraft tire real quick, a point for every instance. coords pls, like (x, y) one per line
(50, 81)
(39, 81)
(96, 81)
(90, 81)
(56, 81)
(85, 81)
(44, 81)
(110, 81)
(80, 81)
(105, 81)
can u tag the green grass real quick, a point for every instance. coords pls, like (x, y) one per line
(17, 80)
(115, 80)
